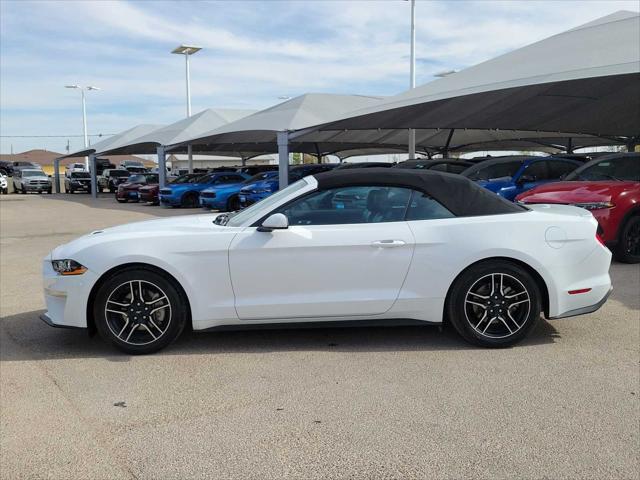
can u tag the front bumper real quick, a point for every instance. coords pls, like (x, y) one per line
(212, 203)
(170, 200)
(66, 297)
(128, 195)
(37, 188)
(148, 197)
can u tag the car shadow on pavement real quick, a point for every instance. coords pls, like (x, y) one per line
(36, 341)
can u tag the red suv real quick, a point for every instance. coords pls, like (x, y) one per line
(609, 187)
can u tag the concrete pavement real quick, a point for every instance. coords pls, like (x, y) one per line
(328, 403)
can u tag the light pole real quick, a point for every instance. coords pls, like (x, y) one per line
(412, 76)
(84, 117)
(187, 51)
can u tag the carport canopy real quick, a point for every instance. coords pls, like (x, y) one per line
(585, 81)
(107, 144)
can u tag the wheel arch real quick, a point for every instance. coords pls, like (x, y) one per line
(633, 212)
(91, 326)
(542, 285)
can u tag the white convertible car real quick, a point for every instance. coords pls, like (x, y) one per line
(361, 246)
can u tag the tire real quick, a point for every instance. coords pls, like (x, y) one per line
(5, 191)
(473, 321)
(160, 295)
(189, 200)
(112, 190)
(233, 204)
(24, 189)
(49, 191)
(627, 249)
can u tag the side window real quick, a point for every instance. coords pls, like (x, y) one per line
(496, 170)
(349, 205)
(560, 168)
(536, 172)
(424, 207)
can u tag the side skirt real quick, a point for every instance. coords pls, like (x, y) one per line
(387, 322)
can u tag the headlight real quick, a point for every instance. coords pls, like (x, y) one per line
(594, 205)
(68, 267)
(263, 190)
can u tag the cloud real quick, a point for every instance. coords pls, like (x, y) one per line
(253, 53)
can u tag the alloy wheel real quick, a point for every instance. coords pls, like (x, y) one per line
(632, 240)
(497, 305)
(138, 312)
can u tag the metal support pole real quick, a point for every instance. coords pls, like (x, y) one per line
(412, 76)
(189, 159)
(84, 127)
(162, 166)
(283, 159)
(94, 175)
(188, 75)
(318, 154)
(243, 160)
(445, 152)
(570, 145)
(56, 175)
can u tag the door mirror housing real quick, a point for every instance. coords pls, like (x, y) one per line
(276, 221)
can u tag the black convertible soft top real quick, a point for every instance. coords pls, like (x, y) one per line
(459, 195)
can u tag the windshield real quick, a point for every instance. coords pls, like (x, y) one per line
(188, 178)
(119, 173)
(259, 177)
(621, 168)
(263, 207)
(204, 178)
(32, 173)
(80, 175)
(495, 170)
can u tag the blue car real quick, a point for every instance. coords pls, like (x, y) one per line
(510, 176)
(187, 194)
(225, 197)
(254, 192)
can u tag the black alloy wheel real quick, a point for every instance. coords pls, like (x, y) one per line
(190, 200)
(233, 204)
(628, 248)
(494, 303)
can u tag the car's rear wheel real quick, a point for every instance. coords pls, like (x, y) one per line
(628, 248)
(494, 303)
(190, 200)
(140, 310)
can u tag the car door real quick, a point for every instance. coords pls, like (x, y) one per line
(344, 253)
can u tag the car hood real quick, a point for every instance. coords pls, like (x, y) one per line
(139, 231)
(576, 192)
(36, 177)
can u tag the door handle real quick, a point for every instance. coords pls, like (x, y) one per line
(388, 243)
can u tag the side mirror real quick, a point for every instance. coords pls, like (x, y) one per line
(277, 221)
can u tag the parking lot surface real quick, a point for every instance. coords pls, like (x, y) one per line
(325, 403)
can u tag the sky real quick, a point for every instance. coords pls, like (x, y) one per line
(253, 53)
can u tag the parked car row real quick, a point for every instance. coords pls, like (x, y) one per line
(607, 185)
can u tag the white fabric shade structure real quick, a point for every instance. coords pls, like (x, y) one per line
(112, 142)
(578, 88)
(154, 142)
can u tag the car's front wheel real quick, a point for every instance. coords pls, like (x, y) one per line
(190, 200)
(494, 303)
(233, 204)
(140, 310)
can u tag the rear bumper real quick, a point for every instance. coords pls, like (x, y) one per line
(585, 310)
